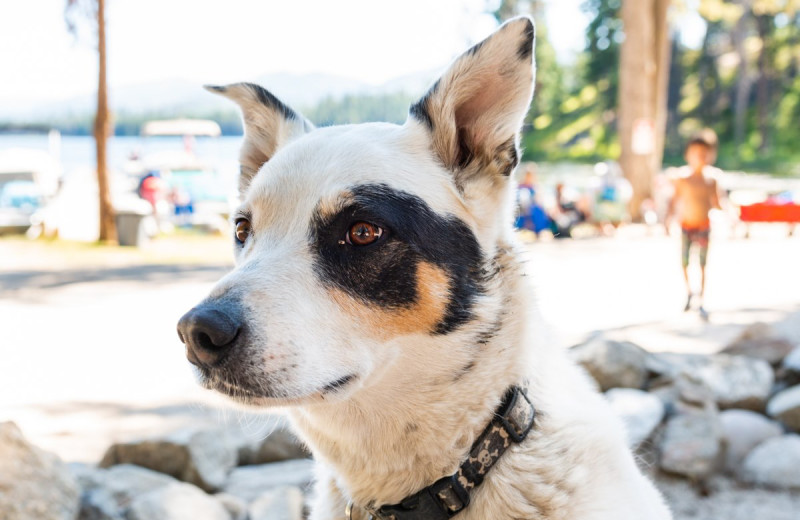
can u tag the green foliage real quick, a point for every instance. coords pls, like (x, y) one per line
(581, 126)
(767, 61)
(578, 121)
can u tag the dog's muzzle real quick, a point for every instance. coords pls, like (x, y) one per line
(209, 333)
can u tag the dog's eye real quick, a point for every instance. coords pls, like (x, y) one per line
(242, 230)
(363, 234)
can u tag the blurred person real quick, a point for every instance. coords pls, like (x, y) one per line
(530, 213)
(612, 193)
(694, 197)
(155, 190)
(567, 212)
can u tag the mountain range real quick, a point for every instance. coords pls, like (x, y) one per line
(181, 96)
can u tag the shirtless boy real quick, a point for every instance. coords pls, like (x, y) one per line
(695, 196)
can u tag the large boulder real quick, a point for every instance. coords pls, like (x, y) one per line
(641, 412)
(760, 341)
(774, 463)
(250, 482)
(176, 501)
(743, 430)
(691, 443)
(199, 457)
(731, 381)
(785, 406)
(283, 503)
(281, 444)
(613, 364)
(33, 483)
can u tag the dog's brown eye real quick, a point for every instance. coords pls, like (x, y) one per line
(242, 230)
(363, 234)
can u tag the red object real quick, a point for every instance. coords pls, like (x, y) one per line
(770, 212)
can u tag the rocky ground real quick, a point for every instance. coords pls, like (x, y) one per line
(716, 431)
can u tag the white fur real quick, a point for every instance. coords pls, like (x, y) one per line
(406, 421)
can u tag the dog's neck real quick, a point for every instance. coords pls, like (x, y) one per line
(420, 421)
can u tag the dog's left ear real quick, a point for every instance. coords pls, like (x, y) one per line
(474, 112)
(268, 125)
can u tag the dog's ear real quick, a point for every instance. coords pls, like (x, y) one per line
(268, 125)
(474, 112)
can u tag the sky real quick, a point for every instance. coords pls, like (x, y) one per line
(207, 41)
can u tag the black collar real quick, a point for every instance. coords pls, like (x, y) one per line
(450, 495)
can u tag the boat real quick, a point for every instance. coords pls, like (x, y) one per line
(189, 192)
(29, 179)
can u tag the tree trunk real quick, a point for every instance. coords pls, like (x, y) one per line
(744, 83)
(644, 75)
(108, 228)
(762, 86)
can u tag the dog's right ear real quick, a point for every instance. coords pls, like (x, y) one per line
(268, 125)
(474, 112)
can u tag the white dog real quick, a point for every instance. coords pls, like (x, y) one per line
(378, 295)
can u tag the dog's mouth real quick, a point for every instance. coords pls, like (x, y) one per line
(267, 396)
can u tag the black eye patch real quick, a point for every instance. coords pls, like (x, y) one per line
(385, 272)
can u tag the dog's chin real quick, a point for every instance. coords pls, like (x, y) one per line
(335, 391)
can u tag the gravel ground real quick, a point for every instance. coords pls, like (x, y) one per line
(728, 501)
(122, 374)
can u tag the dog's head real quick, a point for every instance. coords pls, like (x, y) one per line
(353, 240)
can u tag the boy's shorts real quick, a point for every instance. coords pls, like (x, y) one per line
(698, 236)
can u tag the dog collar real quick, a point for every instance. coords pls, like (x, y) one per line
(450, 495)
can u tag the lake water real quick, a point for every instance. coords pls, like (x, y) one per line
(78, 152)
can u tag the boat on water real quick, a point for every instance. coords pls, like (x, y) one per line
(182, 188)
(29, 179)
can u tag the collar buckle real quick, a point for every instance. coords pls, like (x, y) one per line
(518, 417)
(440, 501)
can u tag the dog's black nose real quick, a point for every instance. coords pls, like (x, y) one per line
(208, 333)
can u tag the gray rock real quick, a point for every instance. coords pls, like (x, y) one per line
(792, 361)
(250, 482)
(236, 507)
(731, 381)
(743, 430)
(108, 492)
(691, 444)
(640, 411)
(176, 501)
(278, 446)
(774, 463)
(33, 483)
(200, 457)
(785, 406)
(789, 372)
(85, 474)
(283, 503)
(613, 364)
(98, 504)
(760, 341)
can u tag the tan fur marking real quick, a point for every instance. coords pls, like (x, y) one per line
(422, 317)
